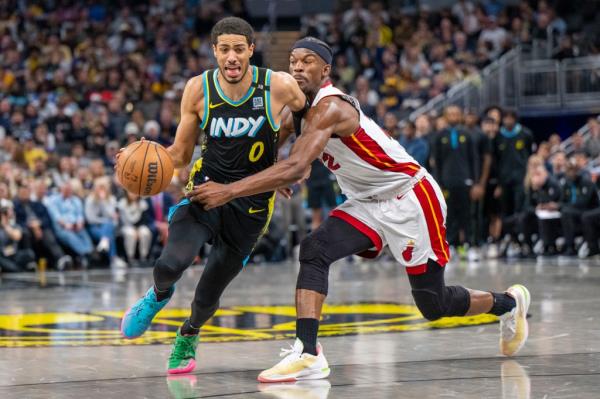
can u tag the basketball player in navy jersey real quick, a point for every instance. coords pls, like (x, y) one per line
(239, 107)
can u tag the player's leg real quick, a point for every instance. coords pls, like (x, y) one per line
(435, 300)
(222, 266)
(425, 269)
(178, 255)
(591, 231)
(335, 239)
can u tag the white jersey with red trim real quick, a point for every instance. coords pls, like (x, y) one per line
(370, 163)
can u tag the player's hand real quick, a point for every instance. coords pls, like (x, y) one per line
(285, 192)
(118, 154)
(477, 192)
(211, 194)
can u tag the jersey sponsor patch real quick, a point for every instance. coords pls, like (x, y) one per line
(257, 103)
(236, 127)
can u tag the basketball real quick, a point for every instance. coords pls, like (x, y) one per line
(144, 168)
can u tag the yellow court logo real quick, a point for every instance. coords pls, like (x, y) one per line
(237, 323)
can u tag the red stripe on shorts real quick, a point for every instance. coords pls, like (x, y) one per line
(435, 220)
(363, 228)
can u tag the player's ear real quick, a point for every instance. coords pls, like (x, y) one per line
(214, 46)
(251, 49)
(326, 70)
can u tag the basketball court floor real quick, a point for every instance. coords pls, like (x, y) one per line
(59, 336)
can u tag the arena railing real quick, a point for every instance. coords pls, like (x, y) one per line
(531, 85)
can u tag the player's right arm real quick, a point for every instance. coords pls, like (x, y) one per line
(192, 106)
(331, 114)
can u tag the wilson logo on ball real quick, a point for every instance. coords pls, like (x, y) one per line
(151, 177)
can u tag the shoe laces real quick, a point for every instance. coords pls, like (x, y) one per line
(288, 351)
(183, 346)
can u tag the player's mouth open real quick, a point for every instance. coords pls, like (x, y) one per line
(233, 71)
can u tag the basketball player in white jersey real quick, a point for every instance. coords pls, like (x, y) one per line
(392, 201)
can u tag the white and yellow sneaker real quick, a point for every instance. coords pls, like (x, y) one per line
(297, 366)
(513, 325)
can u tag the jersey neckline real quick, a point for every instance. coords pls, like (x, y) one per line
(245, 97)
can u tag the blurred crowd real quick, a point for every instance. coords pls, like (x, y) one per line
(79, 80)
(396, 62)
(505, 193)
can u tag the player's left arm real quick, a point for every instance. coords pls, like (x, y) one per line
(286, 92)
(319, 124)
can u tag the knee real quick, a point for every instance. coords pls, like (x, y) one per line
(144, 232)
(448, 301)
(314, 266)
(171, 265)
(429, 303)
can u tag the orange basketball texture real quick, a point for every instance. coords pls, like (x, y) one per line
(145, 168)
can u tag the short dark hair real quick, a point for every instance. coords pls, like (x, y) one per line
(232, 26)
(510, 113)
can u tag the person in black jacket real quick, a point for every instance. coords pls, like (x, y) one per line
(512, 148)
(456, 169)
(542, 198)
(33, 217)
(579, 196)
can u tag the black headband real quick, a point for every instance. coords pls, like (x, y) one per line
(322, 50)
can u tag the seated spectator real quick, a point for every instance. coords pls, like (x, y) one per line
(542, 203)
(159, 206)
(417, 147)
(14, 256)
(66, 212)
(33, 216)
(101, 216)
(592, 143)
(135, 226)
(579, 196)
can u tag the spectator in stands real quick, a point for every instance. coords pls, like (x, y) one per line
(158, 207)
(367, 97)
(591, 233)
(66, 212)
(592, 143)
(417, 147)
(32, 216)
(542, 203)
(495, 35)
(579, 196)
(135, 226)
(102, 219)
(491, 207)
(559, 165)
(14, 255)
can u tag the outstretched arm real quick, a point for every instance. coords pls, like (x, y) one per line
(320, 123)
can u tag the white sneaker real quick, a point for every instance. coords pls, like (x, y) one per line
(103, 245)
(513, 325)
(297, 366)
(584, 251)
(310, 389)
(473, 254)
(118, 263)
(64, 262)
(492, 251)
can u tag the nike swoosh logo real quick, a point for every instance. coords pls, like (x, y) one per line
(252, 210)
(211, 105)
